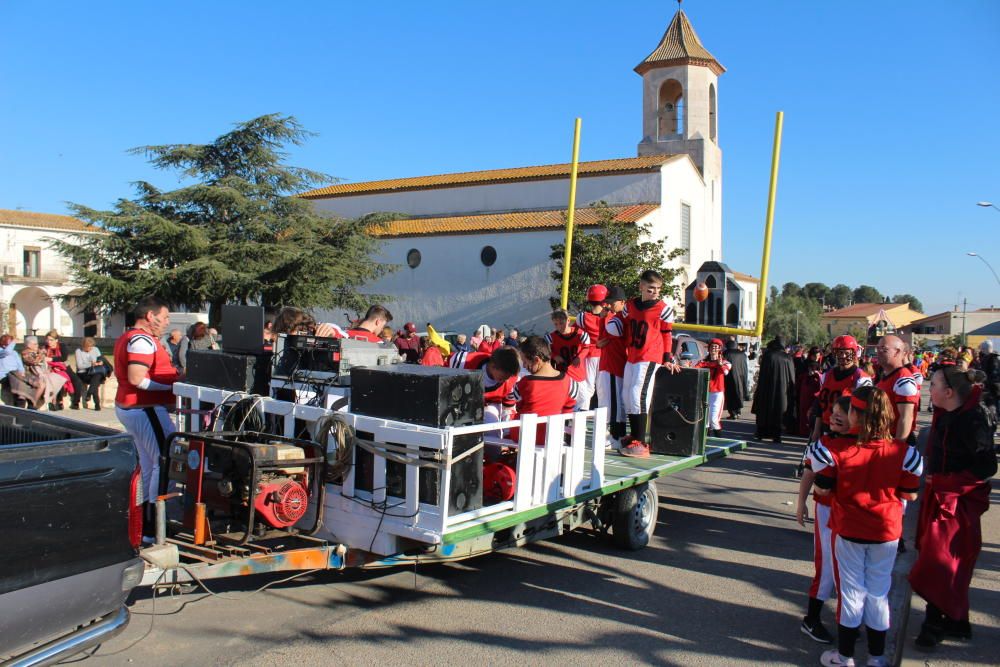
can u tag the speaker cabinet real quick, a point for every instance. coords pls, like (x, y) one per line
(678, 412)
(426, 395)
(248, 373)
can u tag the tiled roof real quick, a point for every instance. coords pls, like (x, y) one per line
(680, 45)
(864, 310)
(504, 222)
(745, 277)
(44, 221)
(543, 172)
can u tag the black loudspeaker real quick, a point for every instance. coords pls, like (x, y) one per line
(248, 373)
(678, 413)
(429, 396)
(425, 395)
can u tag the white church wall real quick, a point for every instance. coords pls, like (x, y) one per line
(524, 195)
(453, 290)
(682, 184)
(749, 306)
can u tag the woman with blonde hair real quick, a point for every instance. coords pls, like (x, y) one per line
(46, 384)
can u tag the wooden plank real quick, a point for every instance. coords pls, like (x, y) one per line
(573, 476)
(525, 463)
(553, 458)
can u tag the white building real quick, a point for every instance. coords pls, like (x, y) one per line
(34, 281)
(475, 247)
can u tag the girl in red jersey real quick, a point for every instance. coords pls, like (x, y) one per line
(545, 391)
(569, 346)
(822, 587)
(867, 481)
(718, 369)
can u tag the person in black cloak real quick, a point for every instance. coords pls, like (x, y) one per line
(736, 381)
(775, 390)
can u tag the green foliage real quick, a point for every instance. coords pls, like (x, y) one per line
(910, 299)
(236, 233)
(954, 341)
(613, 254)
(791, 289)
(867, 294)
(780, 318)
(817, 291)
(840, 296)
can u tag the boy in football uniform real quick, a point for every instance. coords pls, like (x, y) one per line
(592, 319)
(569, 346)
(612, 366)
(648, 324)
(545, 391)
(500, 372)
(718, 369)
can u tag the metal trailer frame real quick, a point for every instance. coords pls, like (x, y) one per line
(558, 488)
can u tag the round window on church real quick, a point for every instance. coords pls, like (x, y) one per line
(488, 256)
(413, 258)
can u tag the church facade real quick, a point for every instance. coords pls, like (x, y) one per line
(474, 247)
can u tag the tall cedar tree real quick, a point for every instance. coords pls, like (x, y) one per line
(235, 234)
(614, 253)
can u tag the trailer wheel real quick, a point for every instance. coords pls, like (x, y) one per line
(635, 516)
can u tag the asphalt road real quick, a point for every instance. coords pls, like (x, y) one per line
(723, 583)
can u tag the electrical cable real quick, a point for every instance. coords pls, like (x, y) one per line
(251, 593)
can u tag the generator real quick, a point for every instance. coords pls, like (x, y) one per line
(247, 482)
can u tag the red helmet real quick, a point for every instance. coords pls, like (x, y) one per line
(597, 293)
(845, 343)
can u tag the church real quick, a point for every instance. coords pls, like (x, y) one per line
(474, 247)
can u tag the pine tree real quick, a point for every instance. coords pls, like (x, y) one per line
(233, 233)
(613, 254)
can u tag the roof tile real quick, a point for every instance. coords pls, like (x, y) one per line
(45, 221)
(680, 45)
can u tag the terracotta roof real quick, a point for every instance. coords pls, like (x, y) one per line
(543, 172)
(513, 221)
(745, 277)
(864, 309)
(680, 46)
(44, 221)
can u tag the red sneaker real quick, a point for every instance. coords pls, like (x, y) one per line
(635, 449)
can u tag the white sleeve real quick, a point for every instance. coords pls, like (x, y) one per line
(614, 327)
(141, 344)
(913, 462)
(820, 456)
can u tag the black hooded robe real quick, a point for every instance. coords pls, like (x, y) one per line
(736, 380)
(775, 390)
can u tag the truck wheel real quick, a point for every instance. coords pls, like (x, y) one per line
(635, 516)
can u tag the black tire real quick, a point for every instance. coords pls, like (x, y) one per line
(635, 516)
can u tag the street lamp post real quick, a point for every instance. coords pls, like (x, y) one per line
(973, 254)
(987, 204)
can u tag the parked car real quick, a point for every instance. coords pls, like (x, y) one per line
(688, 350)
(70, 507)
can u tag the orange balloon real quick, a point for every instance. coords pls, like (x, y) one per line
(700, 292)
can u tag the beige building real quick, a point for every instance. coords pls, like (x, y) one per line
(34, 281)
(855, 320)
(978, 325)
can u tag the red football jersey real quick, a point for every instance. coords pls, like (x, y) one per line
(493, 391)
(648, 330)
(544, 396)
(867, 480)
(362, 334)
(717, 372)
(594, 326)
(902, 387)
(573, 348)
(139, 347)
(837, 383)
(835, 442)
(614, 353)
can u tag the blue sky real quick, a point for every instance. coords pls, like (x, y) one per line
(891, 109)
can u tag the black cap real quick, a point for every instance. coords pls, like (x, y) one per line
(615, 293)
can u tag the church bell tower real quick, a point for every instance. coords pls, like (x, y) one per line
(680, 99)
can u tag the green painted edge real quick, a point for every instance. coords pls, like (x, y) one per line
(493, 526)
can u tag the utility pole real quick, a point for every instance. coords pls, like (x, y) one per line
(964, 303)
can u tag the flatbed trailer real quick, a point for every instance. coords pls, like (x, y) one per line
(562, 484)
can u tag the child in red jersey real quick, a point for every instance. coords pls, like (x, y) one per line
(569, 345)
(500, 371)
(592, 319)
(611, 368)
(867, 482)
(718, 369)
(822, 587)
(545, 391)
(647, 332)
(430, 354)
